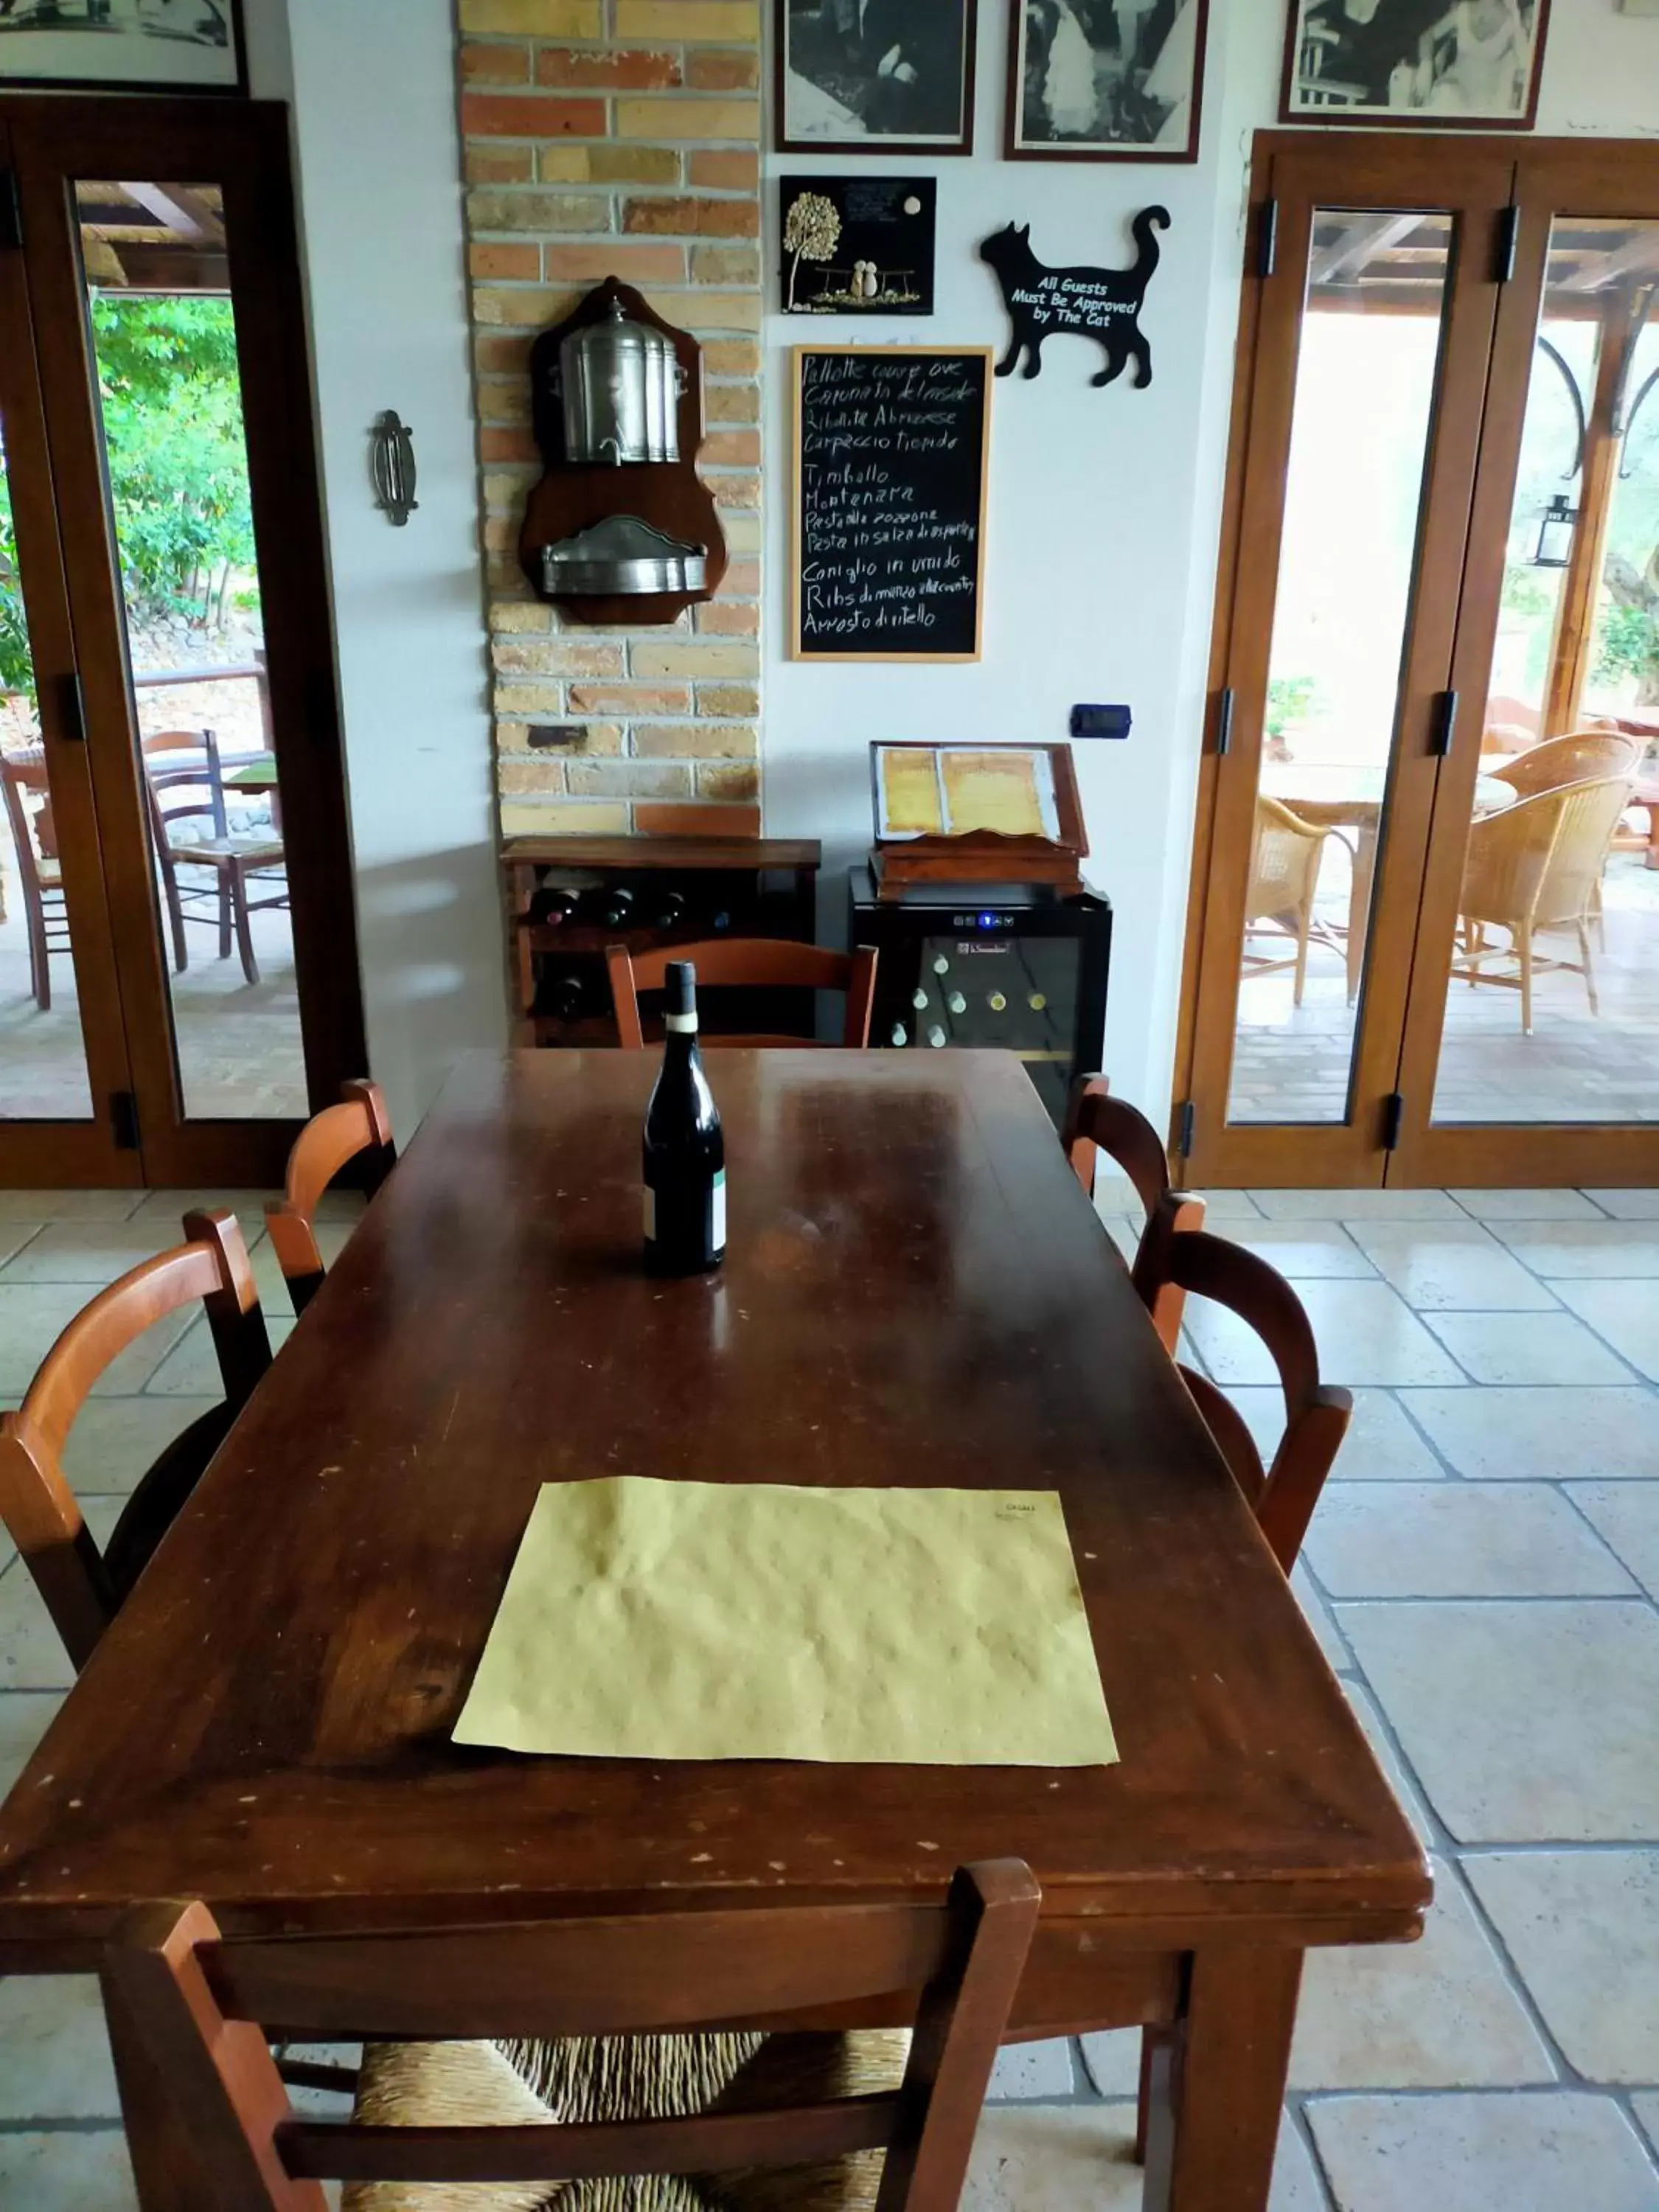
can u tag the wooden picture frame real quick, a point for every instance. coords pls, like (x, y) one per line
(816, 119)
(983, 355)
(60, 57)
(1146, 85)
(1318, 48)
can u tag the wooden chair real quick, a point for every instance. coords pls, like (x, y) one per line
(83, 1589)
(1096, 1122)
(45, 917)
(1282, 1496)
(194, 2001)
(1537, 865)
(1284, 883)
(765, 963)
(360, 1123)
(233, 860)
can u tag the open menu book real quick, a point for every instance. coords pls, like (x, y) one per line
(926, 791)
(651, 1619)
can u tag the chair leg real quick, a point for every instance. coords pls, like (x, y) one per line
(226, 908)
(39, 962)
(1523, 946)
(175, 918)
(1303, 929)
(1590, 967)
(1151, 2038)
(244, 932)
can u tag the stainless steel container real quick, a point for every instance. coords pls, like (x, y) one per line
(620, 384)
(621, 554)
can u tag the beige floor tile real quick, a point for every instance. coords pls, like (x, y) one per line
(1356, 1205)
(31, 1316)
(1585, 1250)
(1112, 2062)
(1627, 1205)
(1526, 1205)
(1563, 2152)
(32, 1654)
(1626, 1314)
(191, 1369)
(1529, 1347)
(1525, 1721)
(90, 1253)
(1304, 1250)
(1627, 1515)
(1381, 1445)
(25, 1716)
(171, 1206)
(116, 1440)
(62, 2172)
(1338, 1658)
(1034, 2073)
(54, 2054)
(1369, 1715)
(1522, 1434)
(1062, 2158)
(1448, 1266)
(1365, 1334)
(68, 1205)
(1439, 2013)
(1458, 1539)
(1646, 2109)
(1582, 1928)
(15, 1237)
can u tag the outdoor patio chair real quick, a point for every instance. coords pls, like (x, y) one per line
(1285, 860)
(1537, 865)
(188, 761)
(45, 917)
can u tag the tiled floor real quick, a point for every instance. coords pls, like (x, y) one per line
(1483, 1573)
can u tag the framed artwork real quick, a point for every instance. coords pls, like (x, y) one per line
(1105, 80)
(123, 45)
(862, 77)
(1452, 64)
(857, 245)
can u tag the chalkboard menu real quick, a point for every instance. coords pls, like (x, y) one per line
(890, 451)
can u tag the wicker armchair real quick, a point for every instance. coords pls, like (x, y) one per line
(1574, 759)
(1284, 879)
(1536, 866)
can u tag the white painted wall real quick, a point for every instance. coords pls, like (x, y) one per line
(1105, 506)
(372, 84)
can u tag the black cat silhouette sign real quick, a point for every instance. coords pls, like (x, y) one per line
(1103, 304)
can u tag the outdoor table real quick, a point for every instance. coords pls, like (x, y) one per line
(916, 1291)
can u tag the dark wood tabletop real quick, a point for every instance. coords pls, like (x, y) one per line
(916, 1292)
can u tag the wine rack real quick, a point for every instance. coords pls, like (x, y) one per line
(569, 899)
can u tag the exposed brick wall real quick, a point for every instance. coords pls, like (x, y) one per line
(619, 138)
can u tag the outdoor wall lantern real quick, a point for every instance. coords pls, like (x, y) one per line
(1555, 534)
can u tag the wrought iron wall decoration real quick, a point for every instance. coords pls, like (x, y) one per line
(391, 463)
(1103, 304)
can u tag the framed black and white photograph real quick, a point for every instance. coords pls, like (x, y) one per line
(123, 45)
(863, 76)
(1460, 64)
(1105, 80)
(857, 245)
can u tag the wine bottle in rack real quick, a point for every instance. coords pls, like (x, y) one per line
(684, 1152)
(566, 997)
(668, 909)
(552, 906)
(620, 907)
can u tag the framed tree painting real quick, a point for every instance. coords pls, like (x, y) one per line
(863, 77)
(1452, 64)
(123, 45)
(1105, 80)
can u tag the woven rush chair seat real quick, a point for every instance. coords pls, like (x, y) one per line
(617, 2077)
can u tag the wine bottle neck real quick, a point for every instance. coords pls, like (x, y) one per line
(680, 1024)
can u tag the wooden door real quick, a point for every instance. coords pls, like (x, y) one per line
(1357, 434)
(166, 315)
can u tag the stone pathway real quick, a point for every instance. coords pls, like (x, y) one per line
(1483, 1573)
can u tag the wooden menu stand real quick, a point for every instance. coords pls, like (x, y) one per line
(987, 856)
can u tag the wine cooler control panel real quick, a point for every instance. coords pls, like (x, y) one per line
(1026, 974)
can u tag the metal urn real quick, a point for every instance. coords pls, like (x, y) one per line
(620, 386)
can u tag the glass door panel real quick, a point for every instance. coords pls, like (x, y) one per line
(163, 335)
(1363, 411)
(1551, 985)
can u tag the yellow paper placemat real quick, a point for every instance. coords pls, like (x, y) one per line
(649, 1619)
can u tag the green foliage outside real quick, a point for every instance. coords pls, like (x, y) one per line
(178, 466)
(1628, 645)
(1290, 701)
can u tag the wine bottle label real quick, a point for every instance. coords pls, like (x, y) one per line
(650, 1215)
(680, 1024)
(716, 1213)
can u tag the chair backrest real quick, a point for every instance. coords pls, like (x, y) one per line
(201, 774)
(1283, 858)
(1283, 1495)
(1096, 1122)
(36, 1502)
(358, 1124)
(1590, 814)
(771, 963)
(1576, 759)
(1540, 861)
(17, 777)
(201, 2004)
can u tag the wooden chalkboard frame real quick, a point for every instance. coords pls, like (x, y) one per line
(984, 356)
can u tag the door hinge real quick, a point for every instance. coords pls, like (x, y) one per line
(1225, 706)
(1508, 240)
(1394, 1115)
(72, 709)
(11, 211)
(1445, 724)
(123, 1120)
(1266, 239)
(1186, 1117)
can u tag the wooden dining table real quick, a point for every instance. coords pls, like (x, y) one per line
(916, 1292)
